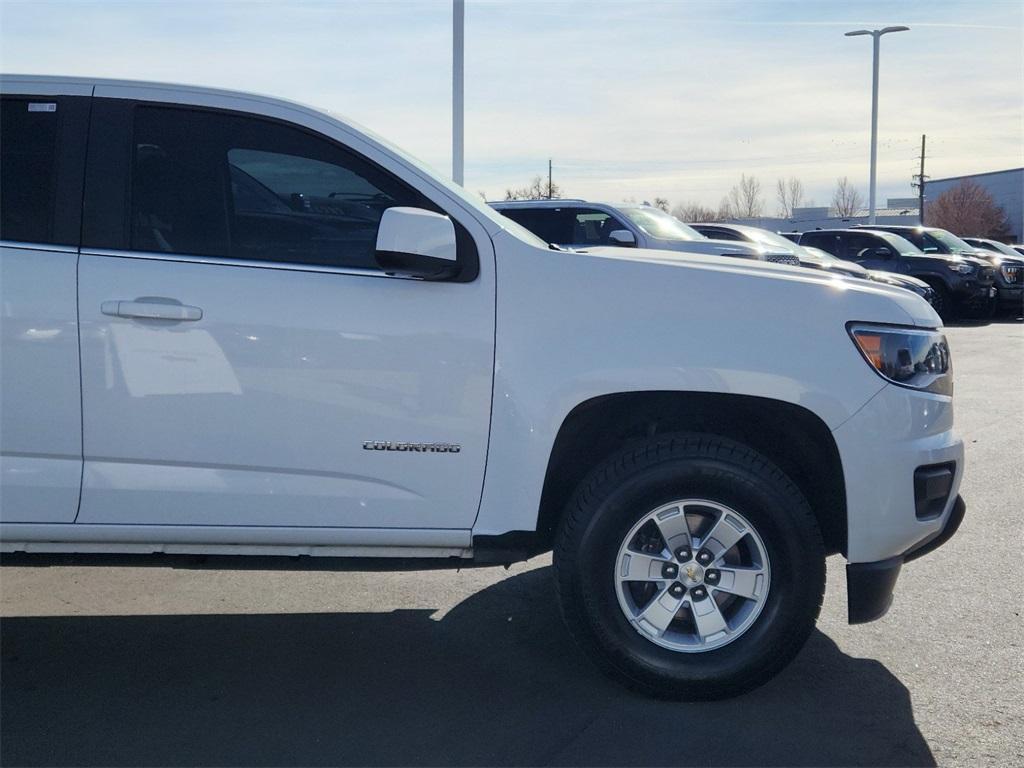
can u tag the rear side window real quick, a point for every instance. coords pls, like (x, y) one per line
(28, 169)
(217, 184)
(552, 225)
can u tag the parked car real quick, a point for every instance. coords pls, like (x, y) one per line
(234, 325)
(814, 258)
(1009, 282)
(579, 224)
(959, 282)
(748, 234)
(1011, 268)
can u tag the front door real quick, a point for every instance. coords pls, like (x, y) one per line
(246, 364)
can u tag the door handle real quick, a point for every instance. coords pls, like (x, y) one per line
(151, 310)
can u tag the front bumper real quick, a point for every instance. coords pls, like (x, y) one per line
(1010, 297)
(869, 586)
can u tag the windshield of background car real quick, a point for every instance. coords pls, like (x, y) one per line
(764, 237)
(992, 245)
(948, 241)
(659, 224)
(901, 245)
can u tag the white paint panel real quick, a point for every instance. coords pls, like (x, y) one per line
(40, 406)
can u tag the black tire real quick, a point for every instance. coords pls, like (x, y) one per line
(623, 489)
(943, 301)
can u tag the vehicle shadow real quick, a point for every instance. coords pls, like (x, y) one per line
(496, 681)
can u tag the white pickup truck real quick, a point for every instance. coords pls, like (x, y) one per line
(233, 325)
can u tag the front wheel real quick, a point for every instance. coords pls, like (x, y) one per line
(690, 567)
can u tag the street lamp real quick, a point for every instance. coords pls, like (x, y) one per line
(458, 113)
(876, 35)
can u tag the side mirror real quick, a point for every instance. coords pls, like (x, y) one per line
(882, 253)
(622, 237)
(416, 243)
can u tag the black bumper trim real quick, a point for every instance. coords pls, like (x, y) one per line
(869, 586)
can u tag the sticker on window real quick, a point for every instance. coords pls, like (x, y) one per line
(42, 107)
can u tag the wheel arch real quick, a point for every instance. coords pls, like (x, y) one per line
(793, 437)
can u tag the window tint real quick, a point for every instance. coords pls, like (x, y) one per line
(860, 247)
(225, 185)
(823, 240)
(592, 227)
(28, 169)
(552, 225)
(720, 234)
(177, 183)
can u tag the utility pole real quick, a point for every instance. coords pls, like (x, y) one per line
(920, 185)
(458, 112)
(549, 178)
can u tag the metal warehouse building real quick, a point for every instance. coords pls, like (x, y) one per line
(1006, 187)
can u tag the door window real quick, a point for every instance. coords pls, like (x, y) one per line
(826, 241)
(29, 128)
(864, 247)
(224, 185)
(593, 227)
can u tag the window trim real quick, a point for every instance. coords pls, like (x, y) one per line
(117, 244)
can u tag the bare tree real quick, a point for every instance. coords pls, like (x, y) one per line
(789, 194)
(969, 210)
(538, 189)
(662, 203)
(695, 213)
(745, 198)
(846, 199)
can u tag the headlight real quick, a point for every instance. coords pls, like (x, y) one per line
(963, 269)
(909, 357)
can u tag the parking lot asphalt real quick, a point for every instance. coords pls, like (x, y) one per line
(172, 666)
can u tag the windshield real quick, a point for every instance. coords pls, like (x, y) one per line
(992, 245)
(903, 246)
(950, 241)
(656, 223)
(764, 237)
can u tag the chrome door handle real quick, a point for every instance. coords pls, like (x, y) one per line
(151, 310)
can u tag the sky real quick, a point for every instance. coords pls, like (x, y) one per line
(630, 100)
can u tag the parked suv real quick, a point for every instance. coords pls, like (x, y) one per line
(959, 282)
(1008, 283)
(579, 224)
(1010, 264)
(234, 325)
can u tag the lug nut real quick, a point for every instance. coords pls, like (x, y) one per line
(699, 593)
(683, 554)
(669, 570)
(704, 557)
(677, 590)
(711, 576)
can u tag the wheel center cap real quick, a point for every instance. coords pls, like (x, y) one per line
(691, 574)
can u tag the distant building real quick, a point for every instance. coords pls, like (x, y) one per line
(804, 219)
(1006, 187)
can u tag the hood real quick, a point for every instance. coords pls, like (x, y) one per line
(857, 299)
(894, 278)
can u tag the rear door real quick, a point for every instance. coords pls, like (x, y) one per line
(42, 157)
(245, 363)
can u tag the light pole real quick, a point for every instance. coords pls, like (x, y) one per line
(876, 35)
(458, 116)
